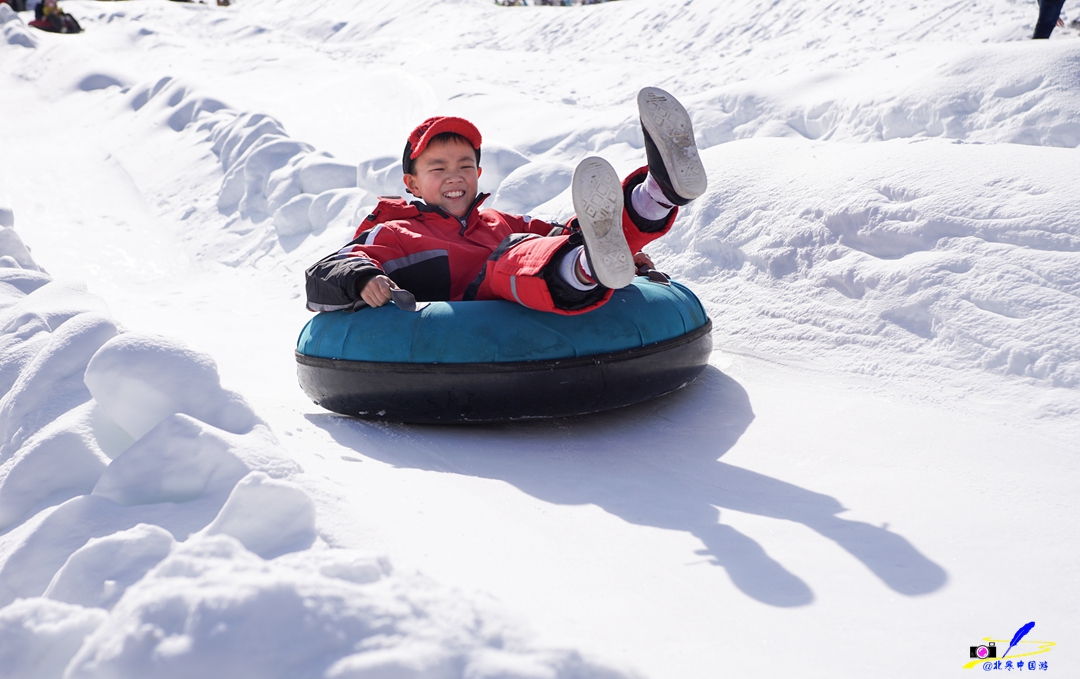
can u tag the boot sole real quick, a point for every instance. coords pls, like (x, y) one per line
(669, 126)
(598, 201)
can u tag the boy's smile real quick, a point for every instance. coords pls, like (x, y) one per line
(446, 176)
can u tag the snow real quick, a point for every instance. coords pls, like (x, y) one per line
(877, 470)
(268, 517)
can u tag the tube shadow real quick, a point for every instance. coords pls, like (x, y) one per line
(654, 464)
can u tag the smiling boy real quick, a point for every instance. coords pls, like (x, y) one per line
(443, 247)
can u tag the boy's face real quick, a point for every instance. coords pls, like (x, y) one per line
(446, 176)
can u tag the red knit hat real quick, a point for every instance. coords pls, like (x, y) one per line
(429, 129)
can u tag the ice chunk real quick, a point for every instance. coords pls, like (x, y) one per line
(140, 380)
(99, 572)
(269, 517)
(109, 436)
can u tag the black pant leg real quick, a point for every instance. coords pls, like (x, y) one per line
(1049, 11)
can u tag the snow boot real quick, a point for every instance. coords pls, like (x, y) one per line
(598, 201)
(669, 145)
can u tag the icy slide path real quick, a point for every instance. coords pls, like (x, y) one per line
(899, 380)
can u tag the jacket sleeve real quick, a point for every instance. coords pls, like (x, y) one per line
(526, 224)
(334, 282)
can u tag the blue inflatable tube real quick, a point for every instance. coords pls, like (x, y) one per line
(456, 362)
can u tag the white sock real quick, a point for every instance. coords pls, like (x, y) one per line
(649, 201)
(570, 262)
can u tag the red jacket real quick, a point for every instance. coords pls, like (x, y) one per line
(439, 257)
(422, 248)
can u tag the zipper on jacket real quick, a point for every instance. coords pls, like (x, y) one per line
(480, 198)
(464, 221)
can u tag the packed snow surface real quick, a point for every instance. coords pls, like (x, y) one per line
(876, 472)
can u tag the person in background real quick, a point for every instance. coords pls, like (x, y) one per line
(1049, 16)
(49, 17)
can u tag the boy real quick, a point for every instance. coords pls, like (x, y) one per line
(443, 248)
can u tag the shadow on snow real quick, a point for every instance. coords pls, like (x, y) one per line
(653, 464)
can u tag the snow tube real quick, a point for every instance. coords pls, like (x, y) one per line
(63, 23)
(494, 360)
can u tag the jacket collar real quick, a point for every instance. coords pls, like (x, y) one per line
(464, 221)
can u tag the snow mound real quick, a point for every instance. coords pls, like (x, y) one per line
(39, 636)
(13, 253)
(268, 517)
(178, 460)
(7, 215)
(273, 178)
(336, 204)
(61, 461)
(58, 442)
(140, 380)
(53, 376)
(97, 573)
(532, 185)
(267, 174)
(292, 219)
(498, 163)
(150, 525)
(1018, 93)
(381, 176)
(957, 256)
(211, 608)
(13, 30)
